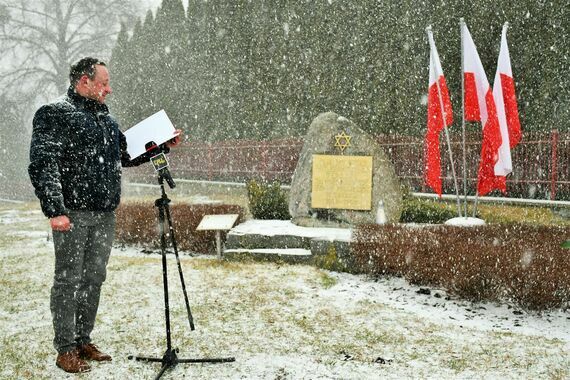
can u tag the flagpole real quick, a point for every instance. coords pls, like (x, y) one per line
(475, 204)
(443, 117)
(505, 26)
(461, 24)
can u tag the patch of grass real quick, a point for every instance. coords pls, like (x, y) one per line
(304, 323)
(436, 211)
(220, 265)
(326, 280)
(8, 240)
(425, 211)
(520, 214)
(126, 262)
(13, 368)
(431, 339)
(26, 206)
(458, 363)
(558, 373)
(376, 338)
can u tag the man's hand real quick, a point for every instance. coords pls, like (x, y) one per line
(60, 223)
(175, 140)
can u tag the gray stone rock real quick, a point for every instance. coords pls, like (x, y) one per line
(320, 139)
(333, 255)
(256, 241)
(282, 256)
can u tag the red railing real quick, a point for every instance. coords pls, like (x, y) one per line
(541, 162)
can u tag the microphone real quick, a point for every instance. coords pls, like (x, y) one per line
(160, 163)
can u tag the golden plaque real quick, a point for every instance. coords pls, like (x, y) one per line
(342, 182)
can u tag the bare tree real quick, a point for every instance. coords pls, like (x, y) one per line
(39, 39)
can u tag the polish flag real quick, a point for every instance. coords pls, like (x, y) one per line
(439, 116)
(507, 111)
(479, 105)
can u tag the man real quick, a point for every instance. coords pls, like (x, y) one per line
(76, 155)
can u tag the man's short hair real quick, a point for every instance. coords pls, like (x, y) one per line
(85, 66)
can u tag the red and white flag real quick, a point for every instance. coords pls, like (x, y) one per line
(507, 111)
(439, 116)
(480, 106)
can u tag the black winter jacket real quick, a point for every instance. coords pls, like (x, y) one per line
(76, 154)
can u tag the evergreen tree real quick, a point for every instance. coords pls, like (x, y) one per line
(250, 69)
(168, 72)
(121, 69)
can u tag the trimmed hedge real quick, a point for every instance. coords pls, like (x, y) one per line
(425, 211)
(520, 263)
(267, 200)
(137, 223)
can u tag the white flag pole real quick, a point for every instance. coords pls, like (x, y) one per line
(475, 204)
(461, 24)
(505, 26)
(443, 115)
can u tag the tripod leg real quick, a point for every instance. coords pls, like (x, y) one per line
(161, 220)
(162, 370)
(168, 360)
(145, 359)
(175, 247)
(208, 360)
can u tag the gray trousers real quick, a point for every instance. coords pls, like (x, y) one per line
(81, 257)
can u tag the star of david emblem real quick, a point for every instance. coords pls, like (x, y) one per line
(342, 141)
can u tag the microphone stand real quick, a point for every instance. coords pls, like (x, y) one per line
(170, 357)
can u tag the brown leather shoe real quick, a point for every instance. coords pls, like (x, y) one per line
(91, 352)
(71, 362)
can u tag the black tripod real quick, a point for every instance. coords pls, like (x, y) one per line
(170, 359)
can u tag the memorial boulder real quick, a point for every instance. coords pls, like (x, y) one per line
(343, 177)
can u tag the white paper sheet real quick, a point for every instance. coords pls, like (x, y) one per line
(157, 128)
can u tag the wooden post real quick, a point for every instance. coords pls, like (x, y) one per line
(219, 243)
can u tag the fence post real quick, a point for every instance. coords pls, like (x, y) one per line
(210, 165)
(554, 162)
(264, 153)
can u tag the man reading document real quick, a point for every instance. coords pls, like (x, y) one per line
(76, 154)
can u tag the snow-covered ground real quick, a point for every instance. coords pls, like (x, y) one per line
(278, 321)
(285, 227)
